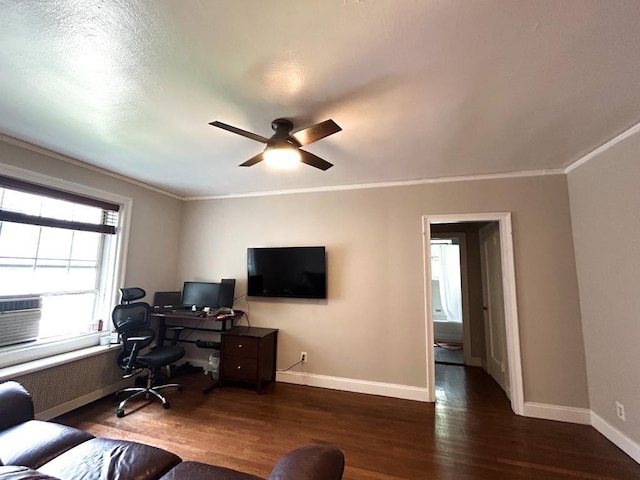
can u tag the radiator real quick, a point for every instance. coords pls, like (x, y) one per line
(19, 319)
(62, 388)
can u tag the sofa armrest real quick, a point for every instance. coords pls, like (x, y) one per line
(16, 405)
(311, 462)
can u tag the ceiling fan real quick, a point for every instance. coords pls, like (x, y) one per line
(283, 148)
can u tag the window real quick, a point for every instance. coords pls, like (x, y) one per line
(61, 248)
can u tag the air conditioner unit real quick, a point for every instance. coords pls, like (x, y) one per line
(19, 319)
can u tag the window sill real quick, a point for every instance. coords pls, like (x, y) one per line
(13, 371)
(28, 352)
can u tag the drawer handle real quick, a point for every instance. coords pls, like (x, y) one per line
(240, 345)
(239, 367)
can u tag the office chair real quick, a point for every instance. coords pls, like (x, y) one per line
(131, 320)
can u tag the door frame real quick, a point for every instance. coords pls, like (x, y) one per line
(509, 292)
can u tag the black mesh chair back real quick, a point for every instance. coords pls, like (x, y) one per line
(131, 321)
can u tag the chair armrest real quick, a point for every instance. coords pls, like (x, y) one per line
(138, 339)
(16, 405)
(176, 334)
(138, 344)
(311, 462)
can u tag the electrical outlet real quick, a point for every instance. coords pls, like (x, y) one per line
(620, 411)
(303, 357)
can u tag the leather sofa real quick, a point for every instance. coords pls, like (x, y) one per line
(37, 450)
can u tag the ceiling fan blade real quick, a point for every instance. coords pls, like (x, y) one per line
(316, 132)
(253, 160)
(314, 161)
(244, 133)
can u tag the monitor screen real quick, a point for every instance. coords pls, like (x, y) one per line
(200, 294)
(296, 272)
(167, 299)
(227, 291)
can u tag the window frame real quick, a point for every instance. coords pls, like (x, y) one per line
(18, 354)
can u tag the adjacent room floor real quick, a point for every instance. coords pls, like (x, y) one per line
(449, 353)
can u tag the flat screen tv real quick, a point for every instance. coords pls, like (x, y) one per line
(292, 272)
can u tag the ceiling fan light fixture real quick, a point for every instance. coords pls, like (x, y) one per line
(283, 148)
(282, 157)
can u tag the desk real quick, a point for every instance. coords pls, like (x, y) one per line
(206, 324)
(247, 354)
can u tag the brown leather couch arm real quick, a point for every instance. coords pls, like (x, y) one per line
(16, 405)
(311, 462)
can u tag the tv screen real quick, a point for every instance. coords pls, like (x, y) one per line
(200, 294)
(294, 272)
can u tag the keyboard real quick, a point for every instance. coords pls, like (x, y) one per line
(186, 313)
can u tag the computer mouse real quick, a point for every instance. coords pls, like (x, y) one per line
(203, 314)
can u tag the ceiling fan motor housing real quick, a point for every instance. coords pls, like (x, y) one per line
(283, 128)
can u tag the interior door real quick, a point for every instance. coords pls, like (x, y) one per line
(493, 305)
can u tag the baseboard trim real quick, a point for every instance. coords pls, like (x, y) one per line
(420, 394)
(616, 437)
(83, 400)
(558, 413)
(475, 362)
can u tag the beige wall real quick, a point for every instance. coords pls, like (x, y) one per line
(372, 325)
(606, 227)
(154, 233)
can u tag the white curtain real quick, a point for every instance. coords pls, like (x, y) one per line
(450, 281)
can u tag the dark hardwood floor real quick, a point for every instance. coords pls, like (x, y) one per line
(470, 433)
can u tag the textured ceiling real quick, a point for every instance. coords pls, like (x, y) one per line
(422, 89)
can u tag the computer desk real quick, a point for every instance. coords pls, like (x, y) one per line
(247, 354)
(182, 320)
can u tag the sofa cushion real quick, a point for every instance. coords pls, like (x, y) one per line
(14, 472)
(101, 458)
(202, 471)
(34, 443)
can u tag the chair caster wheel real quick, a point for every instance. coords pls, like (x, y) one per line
(120, 413)
(166, 406)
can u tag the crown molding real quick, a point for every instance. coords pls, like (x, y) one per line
(404, 183)
(632, 130)
(81, 164)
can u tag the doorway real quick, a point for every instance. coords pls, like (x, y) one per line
(450, 306)
(506, 273)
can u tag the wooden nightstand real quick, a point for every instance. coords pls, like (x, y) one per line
(248, 354)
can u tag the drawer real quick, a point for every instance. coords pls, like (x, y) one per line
(239, 368)
(240, 346)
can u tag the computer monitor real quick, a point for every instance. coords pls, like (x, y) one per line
(227, 290)
(167, 299)
(200, 294)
